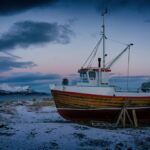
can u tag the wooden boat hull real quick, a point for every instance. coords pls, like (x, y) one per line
(103, 115)
(79, 106)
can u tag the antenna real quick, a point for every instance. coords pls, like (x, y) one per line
(103, 35)
(104, 12)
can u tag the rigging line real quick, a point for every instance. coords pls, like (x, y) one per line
(92, 53)
(89, 57)
(96, 49)
(116, 41)
(128, 71)
(95, 52)
(90, 63)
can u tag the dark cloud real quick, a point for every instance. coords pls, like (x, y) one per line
(114, 5)
(8, 63)
(27, 33)
(9, 7)
(29, 78)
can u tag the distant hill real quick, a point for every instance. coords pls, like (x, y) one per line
(6, 89)
(4, 92)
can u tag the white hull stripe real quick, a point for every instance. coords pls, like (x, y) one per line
(103, 108)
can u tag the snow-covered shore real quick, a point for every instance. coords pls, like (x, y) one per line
(34, 126)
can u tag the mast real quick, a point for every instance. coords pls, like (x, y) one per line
(103, 36)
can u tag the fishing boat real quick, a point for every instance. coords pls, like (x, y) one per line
(93, 98)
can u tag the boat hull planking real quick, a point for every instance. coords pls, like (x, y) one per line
(86, 107)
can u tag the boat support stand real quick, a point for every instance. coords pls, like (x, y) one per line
(124, 114)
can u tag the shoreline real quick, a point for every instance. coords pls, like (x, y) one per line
(36, 125)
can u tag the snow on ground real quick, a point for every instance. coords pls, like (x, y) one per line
(27, 127)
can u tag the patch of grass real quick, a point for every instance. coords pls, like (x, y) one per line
(37, 105)
(43, 103)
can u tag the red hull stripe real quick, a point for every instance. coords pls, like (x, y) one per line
(102, 96)
(129, 108)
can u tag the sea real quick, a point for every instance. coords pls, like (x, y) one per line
(21, 97)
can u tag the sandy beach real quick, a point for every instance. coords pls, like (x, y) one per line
(36, 125)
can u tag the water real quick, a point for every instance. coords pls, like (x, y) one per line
(20, 97)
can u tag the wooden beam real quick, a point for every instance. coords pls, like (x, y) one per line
(122, 118)
(134, 118)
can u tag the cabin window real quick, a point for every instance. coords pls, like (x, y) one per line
(83, 76)
(92, 75)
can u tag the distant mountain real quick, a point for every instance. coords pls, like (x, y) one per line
(2, 92)
(5, 89)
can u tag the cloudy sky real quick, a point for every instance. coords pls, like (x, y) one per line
(41, 41)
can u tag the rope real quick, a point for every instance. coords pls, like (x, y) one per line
(92, 54)
(96, 49)
(128, 70)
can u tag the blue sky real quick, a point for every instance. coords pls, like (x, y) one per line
(42, 41)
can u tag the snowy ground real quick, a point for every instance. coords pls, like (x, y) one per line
(24, 126)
